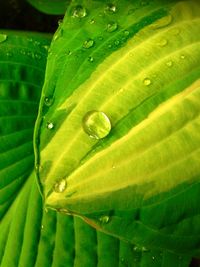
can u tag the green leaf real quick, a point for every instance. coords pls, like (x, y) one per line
(53, 7)
(140, 182)
(31, 235)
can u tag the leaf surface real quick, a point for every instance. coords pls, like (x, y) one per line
(144, 75)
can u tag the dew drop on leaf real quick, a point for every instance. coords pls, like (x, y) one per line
(90, 59)
(163, 42)
(48, 101)
(169, 63)
(163, 22)
(60, 186)
(79, 12)
(92, 21)
(111, 27)
(147, 81)
(3, 37)
(88, 43)
(96, 124)
(104, 219)
(50, 125)
(111, 8)
(182, 56)
(126, 32)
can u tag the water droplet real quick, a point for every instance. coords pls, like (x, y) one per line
(60, 22)
(9, 54)
(111, 27)
(163, 22)
(42, 226)
(110, 46)
(58, 34)
(96, 124)
(146, 81)
(48, 101)
(182, 56)
(113, 167)
(126, 32)
(162, 42)
(88, 43)
(92, 21)
(153, 258)
(50, 125)
(46, 47)
(169, 63)
(104, 219)
(79, 12)
(90, 59)
(111, 8)
(60, 186)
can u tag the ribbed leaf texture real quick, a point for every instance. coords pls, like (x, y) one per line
(135, 174)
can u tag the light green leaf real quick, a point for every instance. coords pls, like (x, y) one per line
(141, 181)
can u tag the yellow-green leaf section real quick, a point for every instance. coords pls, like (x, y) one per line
(140, 182)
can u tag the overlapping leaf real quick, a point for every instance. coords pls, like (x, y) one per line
(29, 234)
(139, 64)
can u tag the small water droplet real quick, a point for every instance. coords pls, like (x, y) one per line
(113, 167)
(90, 59)
(58, 34)
(48, 101)
(9, 54)
(126, 32)
(162, 42)
(104, 219)
(182, 56)
(169, 63)
(92, 21)
(79, 12)
(60, 186)
(146, 81)
(46, 47)
(42, 226)
(111, 27)
(96, 124)
(111, 8)
(153, 258)
(110, 46)
(50, 125)
(60, 22)
(163, 22)
(88, 43)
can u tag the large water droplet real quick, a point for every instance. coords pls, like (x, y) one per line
(96, 124)
(79, 12)
(3, 37)
(104, 219)
(111, 27)
(111, 8)
(88, 43)
(147, 81)
(163, 22)
(162, 42)
(60, 186)
(50, 125)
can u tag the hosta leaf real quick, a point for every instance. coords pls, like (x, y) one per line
(29, 234)
(53, 7)
(134, 67)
